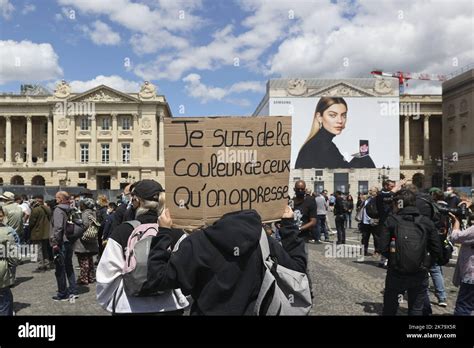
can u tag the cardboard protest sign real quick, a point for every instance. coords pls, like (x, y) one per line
(215, 165)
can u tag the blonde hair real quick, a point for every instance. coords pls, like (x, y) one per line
(323, 104)
(102, 200)
(146, 205)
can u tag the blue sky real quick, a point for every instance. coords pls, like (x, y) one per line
(189, 48)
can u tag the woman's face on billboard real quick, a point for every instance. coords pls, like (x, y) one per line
(334, 118)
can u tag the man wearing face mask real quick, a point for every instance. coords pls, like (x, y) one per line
(304, 207)
(124, 211)
(452, 198)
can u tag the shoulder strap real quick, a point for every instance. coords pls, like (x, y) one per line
(264, 246)
(133, 223)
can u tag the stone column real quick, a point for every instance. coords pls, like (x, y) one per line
(74, 142)
(135, 144)
(426, 138)
(407, 140)
(161, 138)
(115, 151)
(29, 140)
(8, 139)
(50, 139)
(93, 149)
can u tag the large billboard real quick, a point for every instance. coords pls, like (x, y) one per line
(342, 132)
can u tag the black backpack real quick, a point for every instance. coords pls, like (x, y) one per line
(442, 223)
(371, 208)
(410, 255)
(74, 225)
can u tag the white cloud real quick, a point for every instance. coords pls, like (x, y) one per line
(28, 8)
(196, 89)
(102, 34)
(6, 8)
(114, 81)
(28, 62)
(393, 36)
(153, 23)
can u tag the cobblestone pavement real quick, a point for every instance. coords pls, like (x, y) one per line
(341, 286)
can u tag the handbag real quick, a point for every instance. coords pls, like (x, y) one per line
(92, 231)
(360, 215)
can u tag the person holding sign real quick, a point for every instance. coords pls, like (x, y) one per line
(221, 266)
(319, 151)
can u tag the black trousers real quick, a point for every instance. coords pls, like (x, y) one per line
(396, 284)
(341, 230)
(368, 230)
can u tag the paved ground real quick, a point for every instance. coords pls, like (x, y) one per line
(342, 286)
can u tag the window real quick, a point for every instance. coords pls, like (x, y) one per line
(124, 175)
(85, 123)
(126, 153)
(82, 175)
(318, 186)
(84, 153)
(82, 185)
(106, 123)
(363, 187)
(24, 154)
(45, 154)
(105, 153)
(126, 123)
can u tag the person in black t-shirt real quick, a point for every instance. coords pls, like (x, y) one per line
(304, 207)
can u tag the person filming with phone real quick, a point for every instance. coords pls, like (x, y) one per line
(464, 272)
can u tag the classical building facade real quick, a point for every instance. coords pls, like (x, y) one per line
(458, 129)
(420, 130)
(99, 139)
(420, 139)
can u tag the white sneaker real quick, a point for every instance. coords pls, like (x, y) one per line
(442, 304)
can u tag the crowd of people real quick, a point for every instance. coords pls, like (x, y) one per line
(219, 267)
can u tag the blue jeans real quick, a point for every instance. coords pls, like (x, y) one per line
(348, 221)
(65, 271)
(465, 300)
(6, 302)
(436, 273)
(321, 227)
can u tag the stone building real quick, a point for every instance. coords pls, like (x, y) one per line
(458, 129)
(420, 130)
(99, 139)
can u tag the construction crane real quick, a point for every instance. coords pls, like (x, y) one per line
(405, 76)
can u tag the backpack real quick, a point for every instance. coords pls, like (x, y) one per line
(442, 224)
(136, 258)
(283, 291)
(410, 255)
(74, 227)
(371, 208)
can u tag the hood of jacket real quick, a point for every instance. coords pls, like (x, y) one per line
(414, 211)
(64, 206)
(240, 230)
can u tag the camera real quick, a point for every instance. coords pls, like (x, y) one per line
(461, 212)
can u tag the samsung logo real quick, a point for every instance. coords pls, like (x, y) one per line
(37, 331)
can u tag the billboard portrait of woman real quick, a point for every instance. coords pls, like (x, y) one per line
(319, 151)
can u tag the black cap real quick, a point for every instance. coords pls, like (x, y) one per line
(148, 189)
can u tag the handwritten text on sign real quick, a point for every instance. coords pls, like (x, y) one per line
(216, 165)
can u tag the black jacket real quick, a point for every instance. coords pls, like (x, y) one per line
(339, 206)
(433, 245)
(221, 266)
(320, 152)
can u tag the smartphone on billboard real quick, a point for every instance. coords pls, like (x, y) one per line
(363, 148)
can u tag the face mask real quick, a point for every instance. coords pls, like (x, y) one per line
(125, 199)
(300, 194)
